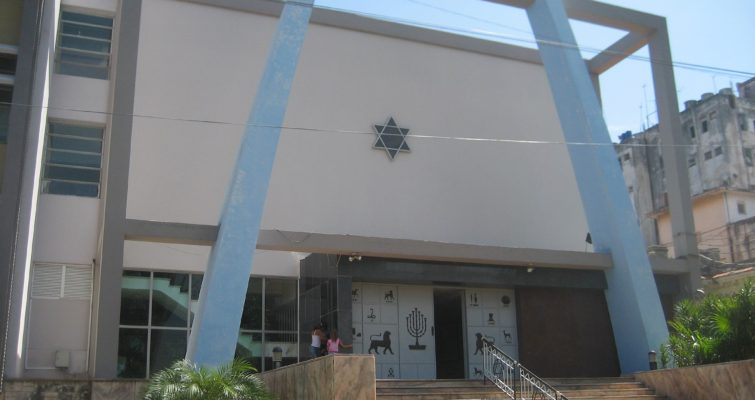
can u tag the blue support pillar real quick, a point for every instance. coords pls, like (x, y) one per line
(216, 326)
(633, 303)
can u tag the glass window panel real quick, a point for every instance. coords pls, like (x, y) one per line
(132, 353)
(64, 157)
(76, 130)
(196, 285)
(72, 188)
(72, 174)
(249, 347)
(80, 70)
(74, 57)
(167, 347)
(72, 28)
(69, 143)
(85, 18)
(280, 304)
(82, 43)
(135, 298)
(170, 299)
(6, 96)
(251, 317)
(287, 343)
(7, 64)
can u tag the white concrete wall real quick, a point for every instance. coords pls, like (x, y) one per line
(203, 63)
(67, 228)
(179, 257)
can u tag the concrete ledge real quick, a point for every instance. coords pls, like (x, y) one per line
(44, 389)
(333, 377)
(733, 380)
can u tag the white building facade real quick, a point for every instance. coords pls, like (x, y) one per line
(121, 167)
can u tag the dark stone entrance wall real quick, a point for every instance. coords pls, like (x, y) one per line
(565, 332)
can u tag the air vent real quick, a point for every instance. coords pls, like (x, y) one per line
(78, 282)
(55, 281)
(47, 281)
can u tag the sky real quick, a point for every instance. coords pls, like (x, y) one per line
(711, 33)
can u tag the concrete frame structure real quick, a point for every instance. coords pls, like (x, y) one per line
(117, 228)
(221, 301)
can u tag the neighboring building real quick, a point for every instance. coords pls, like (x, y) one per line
(720, 138)
(118, 171)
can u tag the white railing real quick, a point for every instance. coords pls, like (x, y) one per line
(514, 379)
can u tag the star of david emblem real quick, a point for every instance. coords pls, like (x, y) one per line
(391, 138)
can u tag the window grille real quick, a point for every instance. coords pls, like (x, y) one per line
(73, 159)
(83, 47)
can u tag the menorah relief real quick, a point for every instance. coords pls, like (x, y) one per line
(416, 325)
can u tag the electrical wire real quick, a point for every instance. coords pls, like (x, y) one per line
(528, 40)
(413, 135)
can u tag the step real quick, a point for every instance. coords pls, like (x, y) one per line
(595, 386)
(429, 383)
(606, 392)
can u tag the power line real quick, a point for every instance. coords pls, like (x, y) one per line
(413, 134)
(497, 35)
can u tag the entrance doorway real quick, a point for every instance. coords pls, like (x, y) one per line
(449, 333)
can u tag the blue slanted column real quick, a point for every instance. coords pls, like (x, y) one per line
(633, 303)
(216, 327)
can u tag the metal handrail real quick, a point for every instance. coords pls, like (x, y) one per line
(516, 381)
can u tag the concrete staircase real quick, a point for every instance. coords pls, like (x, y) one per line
(573, 388)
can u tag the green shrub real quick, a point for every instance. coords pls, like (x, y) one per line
(186, 381)
(714, 329)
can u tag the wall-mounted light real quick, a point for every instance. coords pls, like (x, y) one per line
(355, 257)
(652, 362)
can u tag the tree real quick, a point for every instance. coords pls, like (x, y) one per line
(186, 381)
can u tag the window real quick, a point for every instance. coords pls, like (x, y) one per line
(748, 157)
(630, 189)
(6, 95)
(83, 47)
(708, 155)
(72, 160)
(718, 151)
(692, 132)
(627, 157)
(705, 126)
(157, 310)
(7, 79)
(741, 208)
(692, 162)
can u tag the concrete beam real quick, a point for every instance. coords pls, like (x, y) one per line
(674, 157)
(617, 52)
(636, 314)
(214, 333)
(401, 249)
(170, 232)
(601, 14)
(109, 271)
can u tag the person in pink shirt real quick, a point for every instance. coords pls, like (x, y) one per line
(335, 344)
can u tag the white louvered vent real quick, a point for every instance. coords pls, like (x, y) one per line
(78, 282)
(47, 281)
(55, 281)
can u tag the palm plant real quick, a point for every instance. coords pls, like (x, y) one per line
(714, 329)
(186, 381)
